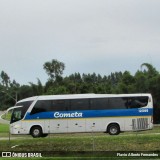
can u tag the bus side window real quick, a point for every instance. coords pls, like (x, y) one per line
(99, 103)
(79, 104)
(59, 105)
(117, 103)
(137, 102)
(25, 107)
(41, 106)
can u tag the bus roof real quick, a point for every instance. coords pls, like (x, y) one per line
(79, 96)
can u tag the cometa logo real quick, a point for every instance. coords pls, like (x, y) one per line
(68, 115)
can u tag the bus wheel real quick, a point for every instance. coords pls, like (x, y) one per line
(113, 129)
(44, 135)
(36, 132)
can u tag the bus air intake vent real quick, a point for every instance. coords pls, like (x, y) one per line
(140, 124)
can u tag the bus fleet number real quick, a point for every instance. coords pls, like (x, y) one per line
(143, 110)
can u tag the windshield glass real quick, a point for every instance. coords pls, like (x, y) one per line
(18, 113)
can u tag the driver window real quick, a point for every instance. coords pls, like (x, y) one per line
(17, 116)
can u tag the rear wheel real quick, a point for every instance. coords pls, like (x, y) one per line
(44, 135)
(36, 132)
(113, 129)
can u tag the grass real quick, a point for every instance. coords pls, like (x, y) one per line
(7, 116)
(83, 144)
(4, 128)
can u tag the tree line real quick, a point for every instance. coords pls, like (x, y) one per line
(145, 80)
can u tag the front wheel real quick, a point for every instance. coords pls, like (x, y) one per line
(113, 129)
(36, 132)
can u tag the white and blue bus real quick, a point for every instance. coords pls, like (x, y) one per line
(112, 113)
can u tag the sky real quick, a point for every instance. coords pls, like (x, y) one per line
(100, 36)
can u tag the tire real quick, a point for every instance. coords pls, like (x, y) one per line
(44, 135)
(36, 132)
(113, 129)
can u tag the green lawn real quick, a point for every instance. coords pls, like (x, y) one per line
(85, 142)
(4, 128)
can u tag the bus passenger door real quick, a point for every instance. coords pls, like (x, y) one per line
(47, 126)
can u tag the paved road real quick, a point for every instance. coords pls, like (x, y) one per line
(2, 121)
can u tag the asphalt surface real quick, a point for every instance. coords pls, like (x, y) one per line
(2, 121)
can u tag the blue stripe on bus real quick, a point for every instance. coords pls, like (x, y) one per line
(91, 113)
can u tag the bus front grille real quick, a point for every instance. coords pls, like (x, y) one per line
(140, 124)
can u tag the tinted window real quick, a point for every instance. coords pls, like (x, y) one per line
(41, 106)
(117, 103)
(25, 107)
(24, 104)
(49, 105)
(137, 102)
(59, 105)
(99, 103)
(87, 104)
(79, 104)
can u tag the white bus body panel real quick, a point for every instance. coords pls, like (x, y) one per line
(74, 125)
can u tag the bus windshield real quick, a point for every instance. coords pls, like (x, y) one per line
(19, 112)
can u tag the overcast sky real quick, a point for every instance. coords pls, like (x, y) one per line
(100, 36)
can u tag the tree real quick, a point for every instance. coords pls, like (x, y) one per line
(25, 91)
(141, 82)
(151, 70)
(38, 88)
(54, 69)
(5, 79)
(57, 90)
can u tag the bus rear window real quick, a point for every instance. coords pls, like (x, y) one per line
(137, 102)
